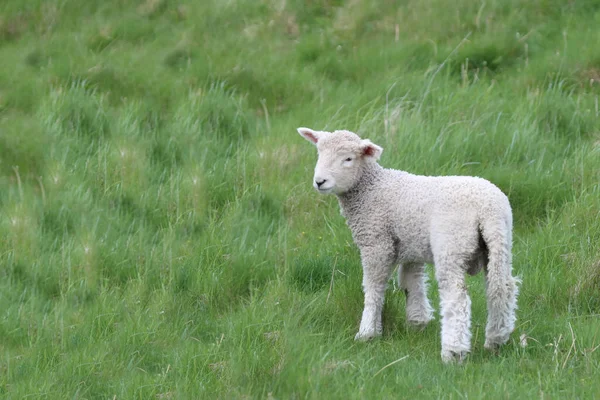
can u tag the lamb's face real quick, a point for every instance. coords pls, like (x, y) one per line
(342, 157)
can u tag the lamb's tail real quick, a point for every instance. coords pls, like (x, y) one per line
(501, 287)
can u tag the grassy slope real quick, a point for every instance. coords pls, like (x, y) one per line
(158, 233)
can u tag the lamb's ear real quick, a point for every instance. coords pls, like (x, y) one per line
(310, 135)
(370, 149)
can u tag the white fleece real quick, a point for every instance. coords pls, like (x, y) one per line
(458, 223)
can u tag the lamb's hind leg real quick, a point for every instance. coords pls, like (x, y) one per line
(412, 278)
(501, 291)
(501, 287)
(377, 266)
(455, 307)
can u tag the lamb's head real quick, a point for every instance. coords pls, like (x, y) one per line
(343, 158)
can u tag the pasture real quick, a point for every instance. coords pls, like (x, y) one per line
(159, 234)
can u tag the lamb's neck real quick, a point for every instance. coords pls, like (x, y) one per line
(370, 176)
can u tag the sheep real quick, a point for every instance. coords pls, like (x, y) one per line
(458, 223)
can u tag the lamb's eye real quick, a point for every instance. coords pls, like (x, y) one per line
(348, 159)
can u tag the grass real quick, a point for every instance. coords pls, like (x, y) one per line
(159, 237)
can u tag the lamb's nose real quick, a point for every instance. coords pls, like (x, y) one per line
(319, 183)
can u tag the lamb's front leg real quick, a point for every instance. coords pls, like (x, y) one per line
(412, 278)
(377, 264)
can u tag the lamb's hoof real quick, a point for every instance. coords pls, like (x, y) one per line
(454, 357)
(493, 344)
(418, 324)
(365, 336)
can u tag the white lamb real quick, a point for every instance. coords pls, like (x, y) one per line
(458, 223)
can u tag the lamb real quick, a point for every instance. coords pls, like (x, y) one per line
(458, 223)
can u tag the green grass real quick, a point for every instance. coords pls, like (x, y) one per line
(159, 236)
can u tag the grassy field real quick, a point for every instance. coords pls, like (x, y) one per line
(159, 235)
